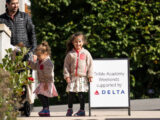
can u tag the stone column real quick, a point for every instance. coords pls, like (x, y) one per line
(2, 6)
(5, 43)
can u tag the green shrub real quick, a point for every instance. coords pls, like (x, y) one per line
(115, 29)
(13, 75)
(7, 100)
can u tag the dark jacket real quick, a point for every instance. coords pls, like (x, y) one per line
(22, 29)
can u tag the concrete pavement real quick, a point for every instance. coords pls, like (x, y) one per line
(144, 109)
(100, 115)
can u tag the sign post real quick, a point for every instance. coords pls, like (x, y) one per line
(110, 85)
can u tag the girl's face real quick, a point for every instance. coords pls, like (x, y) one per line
(41, 56)
(78, 42)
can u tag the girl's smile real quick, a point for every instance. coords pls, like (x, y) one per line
(78, 42)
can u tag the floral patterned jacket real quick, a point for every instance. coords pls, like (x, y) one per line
(45, 70)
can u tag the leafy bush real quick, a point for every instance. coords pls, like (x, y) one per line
(7, 103)
(115, 29)
(13, 75)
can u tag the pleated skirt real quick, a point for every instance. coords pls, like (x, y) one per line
(50, 92)
(77, 84)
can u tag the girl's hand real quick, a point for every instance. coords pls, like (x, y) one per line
(34, 58)
(45, 86)
(90, 79)
(68, 80)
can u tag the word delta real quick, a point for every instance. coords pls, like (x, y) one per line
(103, 92)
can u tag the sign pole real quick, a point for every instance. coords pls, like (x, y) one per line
(89, 105)
(129, 109)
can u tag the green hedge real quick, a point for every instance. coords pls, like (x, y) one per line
(115, 29)
(6, 97)
(13, 75)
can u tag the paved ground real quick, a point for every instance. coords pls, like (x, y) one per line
(145, 109)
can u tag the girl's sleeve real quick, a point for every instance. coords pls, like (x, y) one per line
(66, 68)
(90, 65)
(33, 65)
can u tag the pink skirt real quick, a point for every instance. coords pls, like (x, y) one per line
(50, 92)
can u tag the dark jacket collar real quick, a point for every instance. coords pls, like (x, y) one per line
(14, 15)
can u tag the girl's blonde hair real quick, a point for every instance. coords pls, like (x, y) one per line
(70, 41)
(43, 48)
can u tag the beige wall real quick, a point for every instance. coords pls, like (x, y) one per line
(22, 5)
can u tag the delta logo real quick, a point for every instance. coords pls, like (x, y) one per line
(96, 92)
(109, 92)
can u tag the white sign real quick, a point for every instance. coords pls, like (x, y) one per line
(110, 83)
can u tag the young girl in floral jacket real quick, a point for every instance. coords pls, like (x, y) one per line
(45, 74)
(78, 70)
